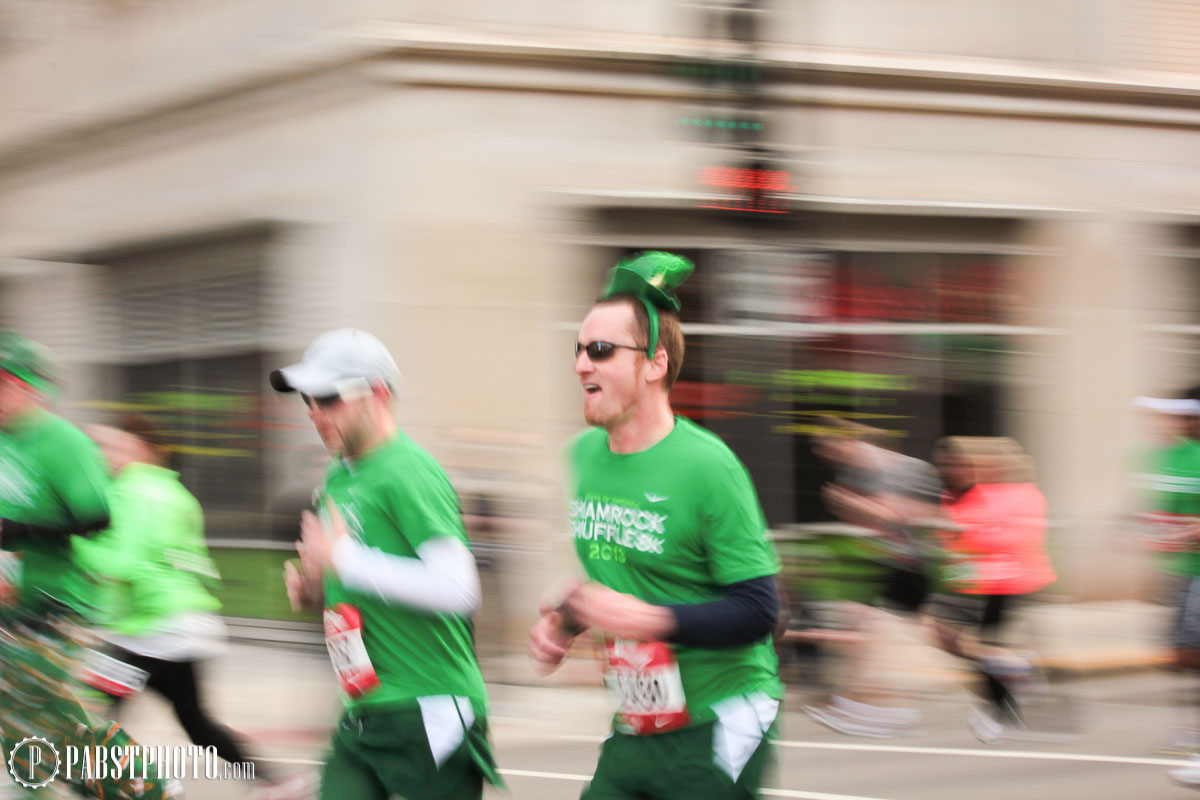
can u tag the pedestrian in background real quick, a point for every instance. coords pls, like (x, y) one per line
(996, 559)
(156, 603)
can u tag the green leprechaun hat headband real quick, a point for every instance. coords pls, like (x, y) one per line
(28, 361)
(652, 277)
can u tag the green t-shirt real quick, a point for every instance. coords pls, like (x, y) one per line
(51, 476)
(152, 562)
(672, 525)
(1175, 488)
(394, 498)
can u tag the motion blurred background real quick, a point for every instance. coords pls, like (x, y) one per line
(969, 217)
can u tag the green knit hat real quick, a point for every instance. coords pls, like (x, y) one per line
(652, 277)
(28, 361)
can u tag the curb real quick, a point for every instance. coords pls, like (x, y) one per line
(1078, 669)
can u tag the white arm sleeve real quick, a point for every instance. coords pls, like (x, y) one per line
(442, 578)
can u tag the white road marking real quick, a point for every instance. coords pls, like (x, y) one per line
(962, 751)
(798, 795)
(795, 794)
(564, 776)
(1036, 755)
(813, 795)
(554, 776)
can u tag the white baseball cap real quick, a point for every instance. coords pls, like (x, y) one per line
(1183, 406)
(342, 363)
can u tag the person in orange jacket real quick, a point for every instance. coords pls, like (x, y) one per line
(996, 556)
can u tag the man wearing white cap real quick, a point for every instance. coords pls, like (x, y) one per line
(1168, 477)
(386, 557)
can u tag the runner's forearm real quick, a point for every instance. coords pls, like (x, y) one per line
(746, 613)
(14, 534)
(442, 578)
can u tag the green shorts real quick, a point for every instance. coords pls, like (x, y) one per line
(412, 753)
(693, 763)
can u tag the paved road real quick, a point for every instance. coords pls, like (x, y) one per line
(1122, 721)
(547, 739)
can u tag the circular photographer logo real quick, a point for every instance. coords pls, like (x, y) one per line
(34, 762)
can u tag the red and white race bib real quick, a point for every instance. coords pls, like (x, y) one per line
(111, 676)
(343, 638)
(644, 683)
(1168, 532)
(10, 577)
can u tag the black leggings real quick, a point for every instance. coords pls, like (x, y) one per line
(176, 681)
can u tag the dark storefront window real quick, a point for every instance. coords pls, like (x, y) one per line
(189, 320)
(209, 410)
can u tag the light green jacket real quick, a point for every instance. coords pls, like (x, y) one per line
(152, 563)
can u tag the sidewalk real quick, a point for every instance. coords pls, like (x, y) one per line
(1082, 639)
(1072, 641)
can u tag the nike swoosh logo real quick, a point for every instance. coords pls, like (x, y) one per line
(655, 498)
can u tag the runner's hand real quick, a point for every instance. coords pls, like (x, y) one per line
(596, 606)
(315, 544)
(548, 642)
(850, 506)
(321, 537)
(302, 593)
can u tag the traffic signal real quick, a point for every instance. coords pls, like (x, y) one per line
(737, 126)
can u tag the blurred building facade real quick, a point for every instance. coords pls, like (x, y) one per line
(973, 217)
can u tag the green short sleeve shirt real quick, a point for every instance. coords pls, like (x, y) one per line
(674, 524)
(51, 475)
(1177, 491)
(393, 499)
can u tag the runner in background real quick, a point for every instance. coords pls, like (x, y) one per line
(668, 529)
(1167, 476)
(895, 498)
(996, 559)
(156, 605)
(52, 491)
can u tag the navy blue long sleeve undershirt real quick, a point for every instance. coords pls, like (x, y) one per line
(745, 613)
(13, 534)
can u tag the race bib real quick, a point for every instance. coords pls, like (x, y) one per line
(10, 577)
(1171, 533)
(111, 676)
(343, 638)
(644, 683)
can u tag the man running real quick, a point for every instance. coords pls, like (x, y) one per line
(52, 489)
(670, 533)
(896, 498)
(387, 559)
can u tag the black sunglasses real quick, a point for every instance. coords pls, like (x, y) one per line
(326, 402)
(601, 351)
